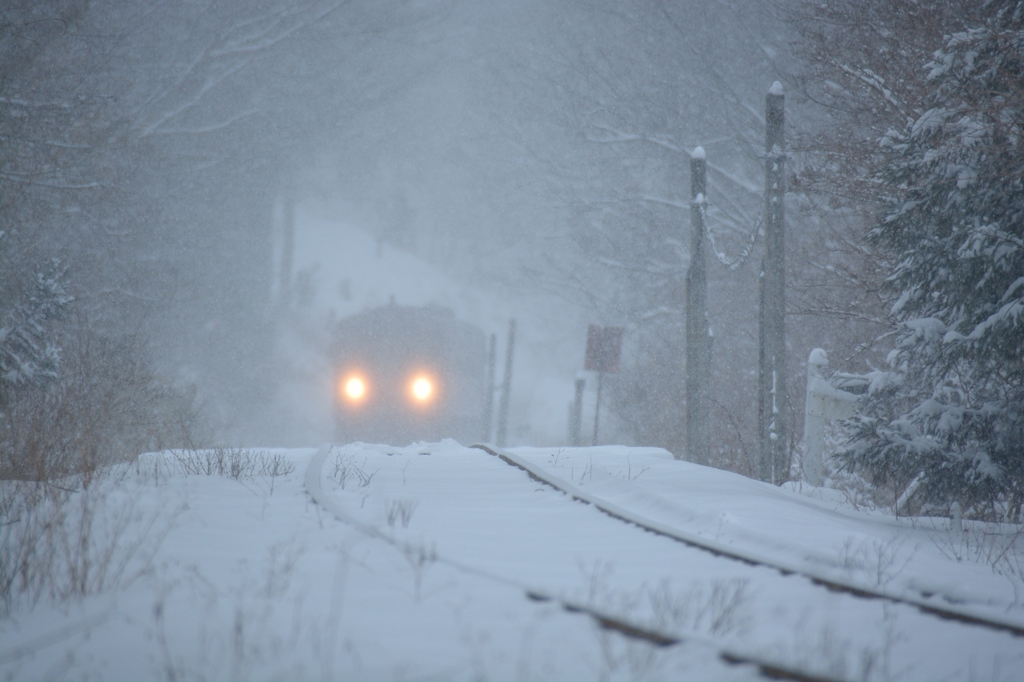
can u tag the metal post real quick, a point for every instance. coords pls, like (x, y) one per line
(773, 432)
(597, 408)
(489, 398)
(698, 334)
(506, 387)
(576, 416)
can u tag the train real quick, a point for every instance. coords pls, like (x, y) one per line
(404, 374)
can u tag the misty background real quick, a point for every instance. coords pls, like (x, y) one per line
(202, 202)
(523, 160)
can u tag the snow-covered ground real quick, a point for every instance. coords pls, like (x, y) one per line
(417, 563)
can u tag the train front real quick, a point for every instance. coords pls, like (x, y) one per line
(405, 374)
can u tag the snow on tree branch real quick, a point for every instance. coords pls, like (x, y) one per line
(28, 352)
(950, 409)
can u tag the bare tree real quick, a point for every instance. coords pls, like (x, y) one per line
(144, 145)
(634, 89)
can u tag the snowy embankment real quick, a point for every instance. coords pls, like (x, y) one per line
(913, 559)
(418, 562)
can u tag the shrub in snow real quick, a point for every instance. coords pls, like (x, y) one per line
(84, 536)
(71, 397)
(105, 405)
(948, 413)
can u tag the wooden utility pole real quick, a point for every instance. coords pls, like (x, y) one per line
(489, 398)
(698, 333)
(506, 387)
(773, 431)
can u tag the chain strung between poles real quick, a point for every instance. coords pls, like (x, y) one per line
(737, 262)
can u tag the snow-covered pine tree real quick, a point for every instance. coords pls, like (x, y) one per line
(29, 353)
(947, 418)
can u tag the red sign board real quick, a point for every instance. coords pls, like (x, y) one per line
(604, 346)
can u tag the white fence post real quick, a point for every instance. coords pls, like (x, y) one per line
(824, 403)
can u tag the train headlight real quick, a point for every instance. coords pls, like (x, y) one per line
(354, 389)
(422, 389)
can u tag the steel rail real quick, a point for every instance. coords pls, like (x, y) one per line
(769, 669)
(719, 549)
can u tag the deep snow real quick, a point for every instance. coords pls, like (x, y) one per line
(427, 577)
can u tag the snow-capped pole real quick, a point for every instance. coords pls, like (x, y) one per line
(698, 330)
(773, 427)
(772, 421)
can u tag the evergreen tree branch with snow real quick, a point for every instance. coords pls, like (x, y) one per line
(947, 415)
(29, 353)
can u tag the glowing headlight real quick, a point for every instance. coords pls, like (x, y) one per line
(355, 389)
(422, 389)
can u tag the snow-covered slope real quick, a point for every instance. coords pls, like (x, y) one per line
(418, 562)
(912, 556)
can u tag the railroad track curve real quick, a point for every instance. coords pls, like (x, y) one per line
(728, 653)
(922, 602)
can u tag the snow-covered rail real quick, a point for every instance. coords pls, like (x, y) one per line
(926, 603)
(765, 667)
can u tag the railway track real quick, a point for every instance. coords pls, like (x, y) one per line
(923, 602)
(770, 669)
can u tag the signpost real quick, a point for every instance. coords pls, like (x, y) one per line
(576, 415)
(604, 348)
